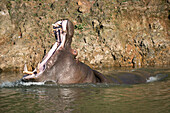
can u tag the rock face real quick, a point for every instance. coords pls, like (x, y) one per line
(107, 33)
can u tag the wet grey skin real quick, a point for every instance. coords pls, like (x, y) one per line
(63, 68)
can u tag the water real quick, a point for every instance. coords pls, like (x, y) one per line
(151, 97)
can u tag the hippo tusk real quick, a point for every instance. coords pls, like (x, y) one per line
(28, 72)
(25, 67)
(56, 25)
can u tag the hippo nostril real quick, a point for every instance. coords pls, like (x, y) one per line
(75, 51)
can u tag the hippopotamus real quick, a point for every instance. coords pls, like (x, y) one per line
(61, 66)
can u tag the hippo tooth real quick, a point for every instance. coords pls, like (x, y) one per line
(25, 67)
(54, 25)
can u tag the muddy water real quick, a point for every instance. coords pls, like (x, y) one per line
(20, 97)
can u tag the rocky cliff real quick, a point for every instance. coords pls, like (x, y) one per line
(107, 32)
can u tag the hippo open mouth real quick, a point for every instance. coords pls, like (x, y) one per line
(60, 31)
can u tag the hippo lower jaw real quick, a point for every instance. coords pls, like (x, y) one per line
(59, 29)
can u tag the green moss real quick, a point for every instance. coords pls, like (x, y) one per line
(35, 37)
(76, 33)
(117, 24)
(35, 15)
(19, 1)
(92, 33)
(8, 5)
(80, 26)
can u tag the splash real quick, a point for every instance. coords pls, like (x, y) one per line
(8, 84)
(158, 77)
(32, 83)
(20, 84)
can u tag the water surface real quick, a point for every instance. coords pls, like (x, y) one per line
(151, 97)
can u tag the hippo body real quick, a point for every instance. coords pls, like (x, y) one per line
(61, 66)
(67, 70)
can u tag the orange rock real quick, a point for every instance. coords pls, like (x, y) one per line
(79, 3)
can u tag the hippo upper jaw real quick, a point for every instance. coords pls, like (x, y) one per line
(63, 30)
